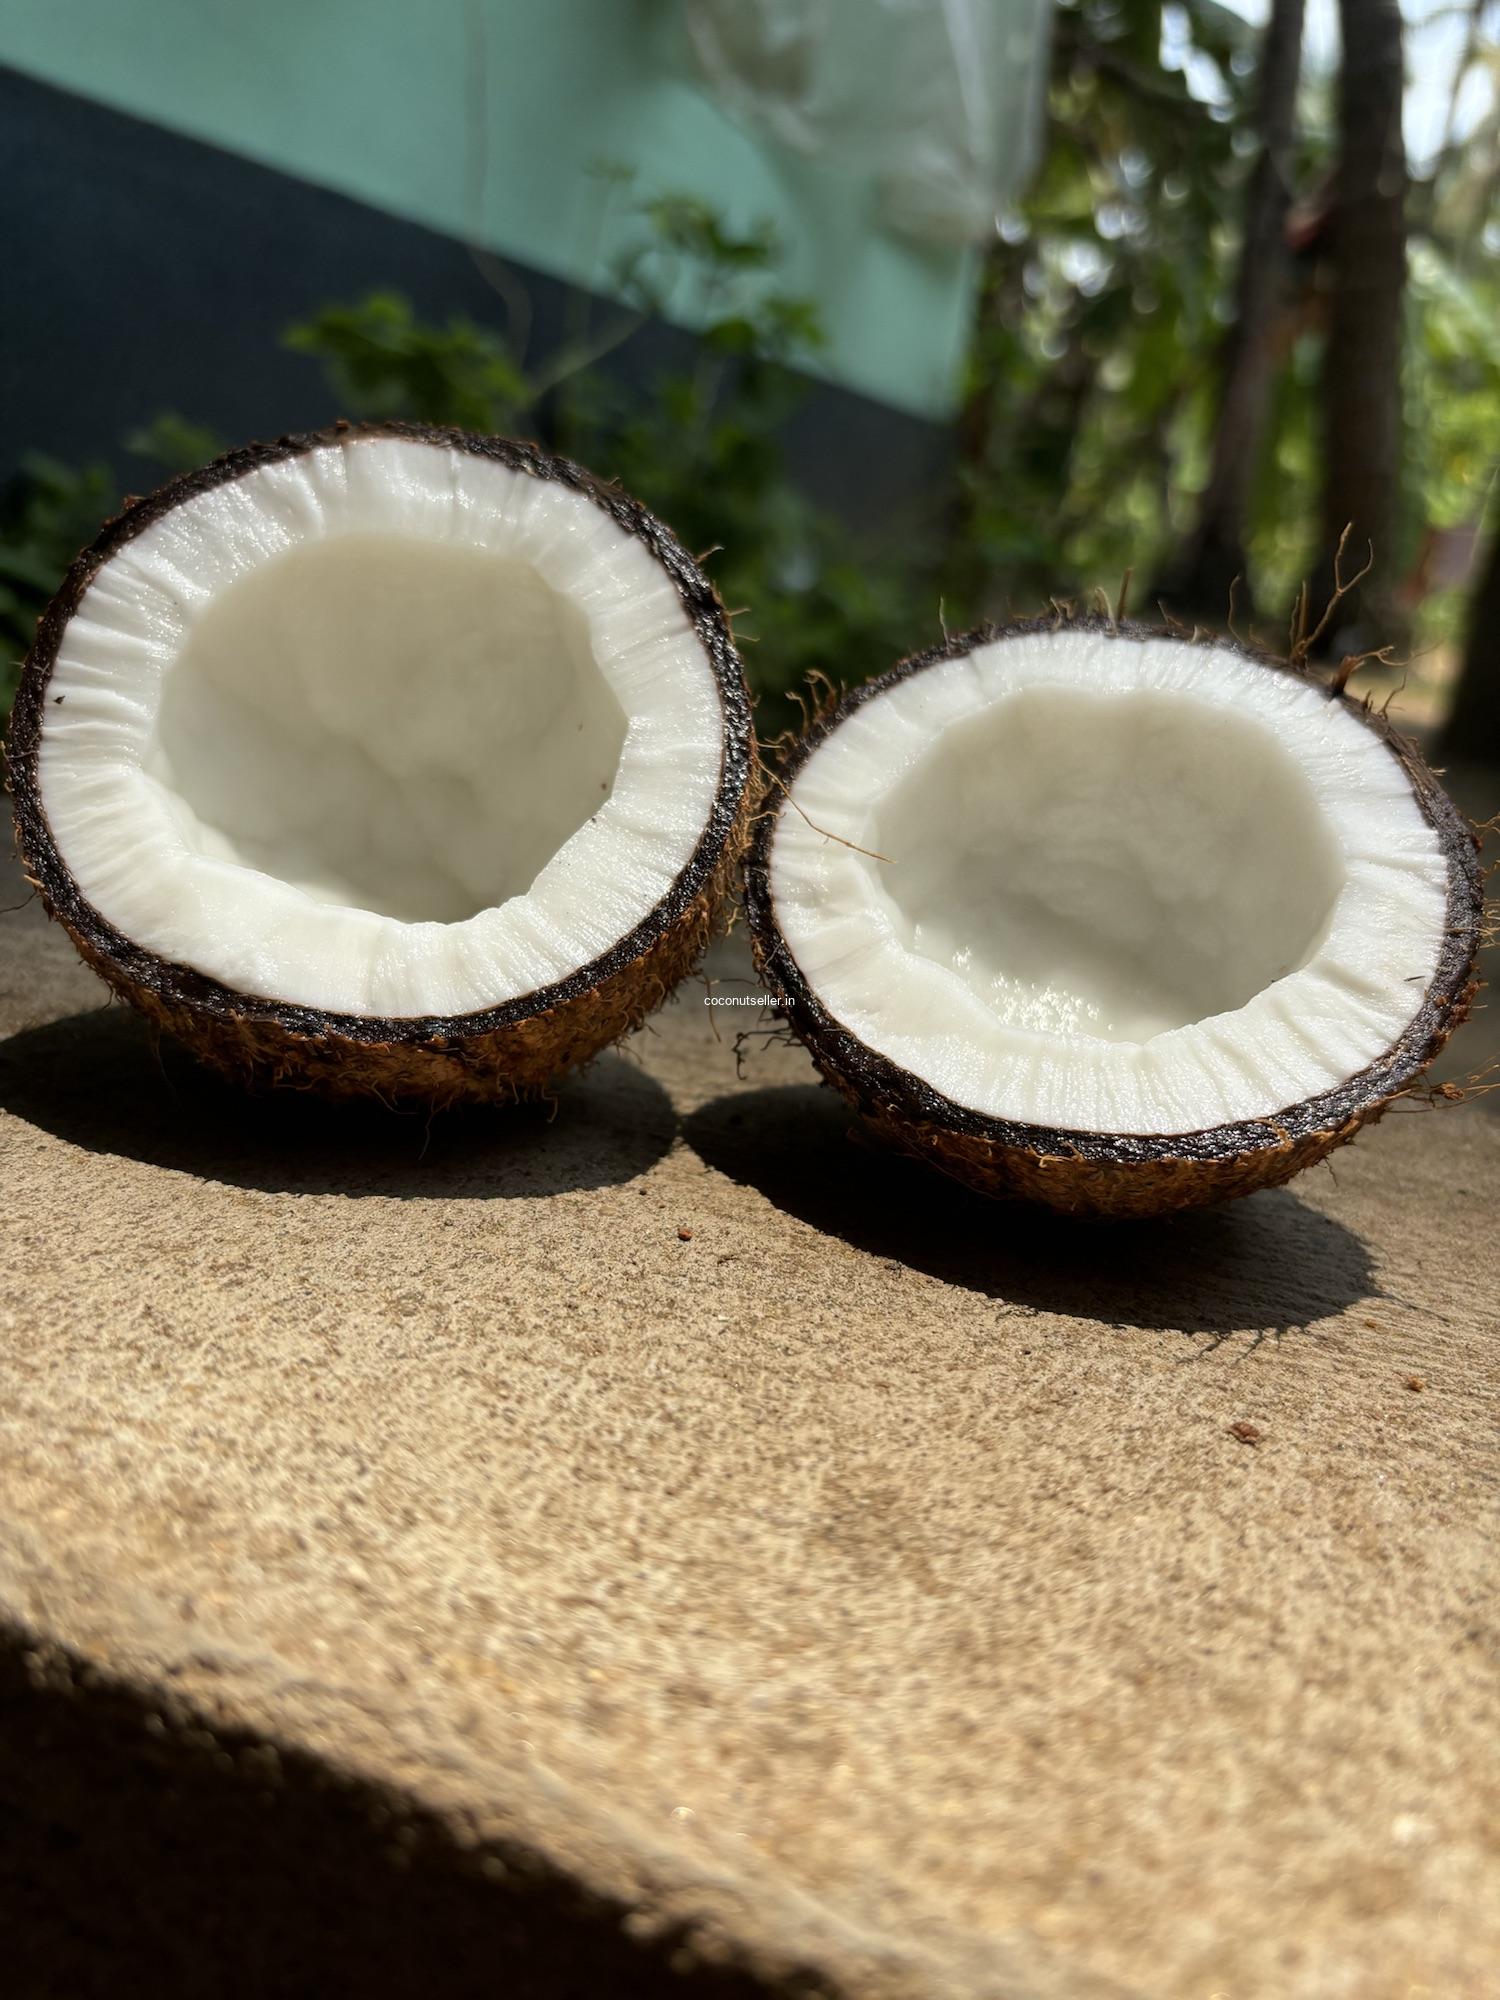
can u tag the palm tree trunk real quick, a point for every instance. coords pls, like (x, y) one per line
(1473, 728)
(1199, 580)
(1362, 360)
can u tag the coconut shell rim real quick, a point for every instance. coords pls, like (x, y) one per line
(174, 982)
(873, 1077)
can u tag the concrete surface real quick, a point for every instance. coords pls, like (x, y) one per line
(671, 1548)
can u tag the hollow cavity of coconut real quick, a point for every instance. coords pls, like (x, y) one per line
(385, 760)
(1143, 923)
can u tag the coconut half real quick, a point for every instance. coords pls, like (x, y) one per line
(386, 760)
(1140, 923)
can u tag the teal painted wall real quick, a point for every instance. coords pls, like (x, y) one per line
(483, 118)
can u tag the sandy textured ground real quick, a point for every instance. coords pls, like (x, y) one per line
(424, 1557)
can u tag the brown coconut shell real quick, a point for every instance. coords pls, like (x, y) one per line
(1121, 1174)
(512, 1050)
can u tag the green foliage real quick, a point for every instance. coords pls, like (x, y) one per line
(169, 443)
(1092, 378)
(381, 362)
(1452, 390)
(1109, 299)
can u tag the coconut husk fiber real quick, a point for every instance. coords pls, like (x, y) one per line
(665, 1548)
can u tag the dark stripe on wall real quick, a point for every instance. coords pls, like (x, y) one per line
(151, 272)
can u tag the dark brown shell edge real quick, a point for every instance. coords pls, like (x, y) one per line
(507, 1051)
(1117, 1174)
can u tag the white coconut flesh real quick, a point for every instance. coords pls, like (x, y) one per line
(386, 729)
(1127, 886)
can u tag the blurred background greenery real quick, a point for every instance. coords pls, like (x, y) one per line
(1243, 299)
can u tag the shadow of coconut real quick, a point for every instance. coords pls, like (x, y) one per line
(97, 1081)
(1267, 1265)
(139, 1852)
